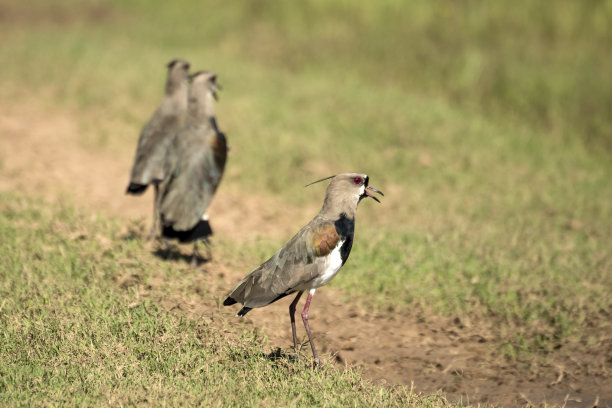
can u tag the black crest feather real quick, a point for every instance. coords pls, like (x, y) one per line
(318, 181)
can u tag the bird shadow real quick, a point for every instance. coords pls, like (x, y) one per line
(281, 359)
(172, 253)
(276, 356)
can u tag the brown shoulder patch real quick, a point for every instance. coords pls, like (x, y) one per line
(218, 144)
(324, 239)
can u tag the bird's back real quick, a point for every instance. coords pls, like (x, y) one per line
(155, 140)
(197, 168)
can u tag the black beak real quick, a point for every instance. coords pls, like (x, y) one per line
(370, 188)
(216, 87)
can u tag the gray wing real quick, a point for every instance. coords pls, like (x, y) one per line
(193, 180)
(290, 269)
(151, 154)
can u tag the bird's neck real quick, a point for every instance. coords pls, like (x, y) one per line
(201, 106)
(176, 96)
(333, 208)
(175, 85)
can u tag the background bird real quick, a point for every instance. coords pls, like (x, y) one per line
(312, 257)
(150, 164)
(197, 161)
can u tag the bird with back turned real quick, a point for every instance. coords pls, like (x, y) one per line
(150, 162)
(197, 162)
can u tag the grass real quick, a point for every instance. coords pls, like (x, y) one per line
(73, 333)
(488, 127)
(539, 63)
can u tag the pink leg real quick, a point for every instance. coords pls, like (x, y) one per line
(305, 320)
(292, 316)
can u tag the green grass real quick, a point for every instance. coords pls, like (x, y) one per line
(487, 125)
(73, 334)
(541, 63)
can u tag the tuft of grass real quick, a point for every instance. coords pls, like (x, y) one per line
(73, 333)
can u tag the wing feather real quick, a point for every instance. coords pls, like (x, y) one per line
(153, 144)
(290, 269)
(194, 179)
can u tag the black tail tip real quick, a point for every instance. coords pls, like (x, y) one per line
(229, 301)
(135, 188)
(243, 311)
(201, 231)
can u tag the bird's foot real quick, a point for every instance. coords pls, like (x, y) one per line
(165, 245)
(152, 236)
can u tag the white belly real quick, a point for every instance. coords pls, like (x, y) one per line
(329, 265)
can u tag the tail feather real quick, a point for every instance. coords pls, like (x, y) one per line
(136, 188)
(201, 231)
(229, 301)
(244, 311)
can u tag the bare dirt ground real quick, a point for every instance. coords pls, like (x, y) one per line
(42, 154)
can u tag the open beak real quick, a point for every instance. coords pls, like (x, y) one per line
(216, 87)
(370, 188)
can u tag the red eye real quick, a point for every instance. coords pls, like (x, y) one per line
(357, 180)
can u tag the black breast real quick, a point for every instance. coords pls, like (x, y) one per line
(219, 145)
(346, 229)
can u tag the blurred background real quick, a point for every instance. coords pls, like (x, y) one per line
(488, 125)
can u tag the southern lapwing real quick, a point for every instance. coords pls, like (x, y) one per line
(312, 257)
(157, 134)
(197, 160)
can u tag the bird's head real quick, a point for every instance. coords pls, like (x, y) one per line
(345, 191)
(202, 93)
(178, 70)
(205, 81)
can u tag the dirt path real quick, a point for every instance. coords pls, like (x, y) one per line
(41, 153)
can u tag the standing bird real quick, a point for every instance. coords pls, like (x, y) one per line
(312, 257)
(198, 156)
(150, 163)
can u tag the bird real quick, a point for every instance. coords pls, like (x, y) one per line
(312, 257)
(150, 162)
(197, 161)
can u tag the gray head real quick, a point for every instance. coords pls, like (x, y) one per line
(178, 72)
(344, 193)
(203, 92)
